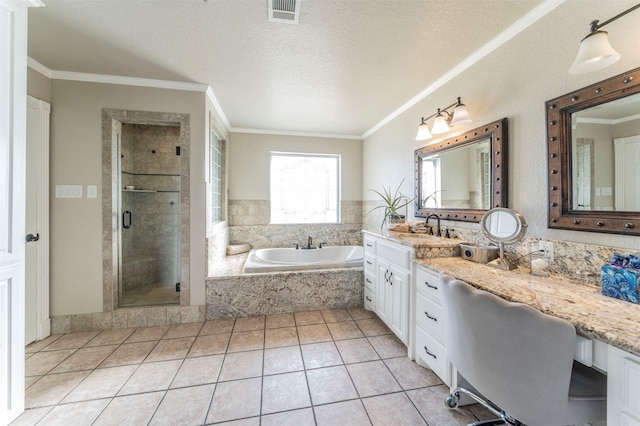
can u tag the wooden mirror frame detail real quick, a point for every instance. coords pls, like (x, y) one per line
(559, 111)
(497, 132)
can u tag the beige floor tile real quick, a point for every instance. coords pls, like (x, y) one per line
(145, 334)
(316, 355)
(372, 378)
(211, 344)
(241, 365)
(101, 383)
(279, 337)
(331, 384)
(78, 413)
(71, 341)
(41, 344)
(235, 400)
(183, 330)
(198, 371)
(31, 416)
(151, 376)
(30, 380)
(111, 337)
(344, 330)
(410, 375)
(303, 417)
(129, 353)
(130, 410)
(284, 392)
(388, 346)
(356, 350)
(307, 318)
(43, 362)
(394, 409)
(171, 349)
(50, 389)
(430, 403)
(336, 315)
(282, 360)
(313, 333)
(350, 413)
(251, 421)
(186, 406)
(249, 323)
(246, 341)
(361, 313)
(219, 326)
(85, 359)
(481, 413)
(373, 327)
(280, 320)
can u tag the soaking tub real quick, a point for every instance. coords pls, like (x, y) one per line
(291, 259)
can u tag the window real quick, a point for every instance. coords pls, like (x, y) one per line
(431, 185)
(217, 158)
(305, 188)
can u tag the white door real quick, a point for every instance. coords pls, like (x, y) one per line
(38, 325)
(399, 313)
(627, 172)
(13, 97)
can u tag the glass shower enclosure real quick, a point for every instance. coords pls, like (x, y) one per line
(149, 206)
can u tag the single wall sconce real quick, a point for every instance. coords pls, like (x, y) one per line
(443, 120)
(595, 50)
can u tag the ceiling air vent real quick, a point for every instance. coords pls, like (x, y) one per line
(286, 11)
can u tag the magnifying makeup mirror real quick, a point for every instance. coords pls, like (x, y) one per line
(502, 226)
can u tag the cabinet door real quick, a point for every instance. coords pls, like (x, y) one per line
(383, 302)
(399, 309)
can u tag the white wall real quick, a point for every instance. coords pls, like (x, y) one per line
(76, 158)
(514, 82)
(249, 161)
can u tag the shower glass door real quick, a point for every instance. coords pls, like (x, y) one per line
(149, 206)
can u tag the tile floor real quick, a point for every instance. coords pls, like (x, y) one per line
(336, 367)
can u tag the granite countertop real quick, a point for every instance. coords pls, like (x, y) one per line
(417, 241)
(609, 320)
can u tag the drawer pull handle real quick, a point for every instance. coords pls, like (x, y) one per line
(390, 276)
(369, 263)
(435, 287)
(429, 353)
(368, 298)
(369, 245)
(369, 281)
(430, 317)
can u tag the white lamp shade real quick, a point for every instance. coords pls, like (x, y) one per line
(595, 53)
(460, 115)
(423, 132)
(440, 125)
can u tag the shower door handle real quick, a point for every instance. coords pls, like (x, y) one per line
(127, 219)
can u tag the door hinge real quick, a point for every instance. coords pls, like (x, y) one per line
(178, 287)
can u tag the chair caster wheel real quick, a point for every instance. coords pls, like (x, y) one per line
(452, 401)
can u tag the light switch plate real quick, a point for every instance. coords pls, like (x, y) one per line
(68, 191)
(92, 191)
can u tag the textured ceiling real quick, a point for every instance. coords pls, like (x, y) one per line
(345, 67)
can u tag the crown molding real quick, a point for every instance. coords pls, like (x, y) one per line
(128, 81)
(511, 31)
(218, 108)
(37, 66)
(288, 133)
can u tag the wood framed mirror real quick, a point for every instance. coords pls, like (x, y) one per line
(463, 177)
(593, 139)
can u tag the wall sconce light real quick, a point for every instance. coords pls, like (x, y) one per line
(595, 50)
(443, 120)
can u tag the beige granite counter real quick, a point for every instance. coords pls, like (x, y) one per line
(424, 246)
(609, 320)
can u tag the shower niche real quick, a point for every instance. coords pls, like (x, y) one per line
(145, 192)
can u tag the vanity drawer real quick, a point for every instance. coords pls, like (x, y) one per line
(369, 244)
(370, 263)
(430, 316)
(369, 281)
(432, 354)
(427, 283)
(369, 300)
(394, 254)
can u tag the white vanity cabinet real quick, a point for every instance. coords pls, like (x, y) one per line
(429, 343)
(387, 276)
(623, 388)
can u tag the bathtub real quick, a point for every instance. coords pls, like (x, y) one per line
(291, 259)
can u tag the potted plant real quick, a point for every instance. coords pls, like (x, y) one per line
(394, 201)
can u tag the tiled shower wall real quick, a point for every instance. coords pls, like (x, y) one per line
(151, 249)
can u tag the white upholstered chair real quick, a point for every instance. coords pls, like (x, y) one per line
(519, 359)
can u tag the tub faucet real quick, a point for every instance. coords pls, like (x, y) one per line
(309, 244)
(438, 232)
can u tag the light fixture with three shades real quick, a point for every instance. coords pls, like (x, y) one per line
(443, 120)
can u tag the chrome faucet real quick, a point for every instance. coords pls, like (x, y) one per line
(438, 232)
(309, 244)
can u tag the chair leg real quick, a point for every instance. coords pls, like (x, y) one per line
(452, 399)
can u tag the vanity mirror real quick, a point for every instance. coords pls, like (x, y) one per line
(463, 177)
(502, 226)
(593, 137)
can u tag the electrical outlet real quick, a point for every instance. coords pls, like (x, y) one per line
(547, 247)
